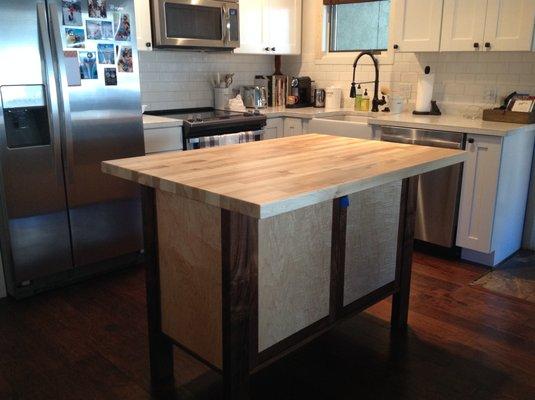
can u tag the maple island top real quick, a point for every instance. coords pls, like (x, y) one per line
(267, 178)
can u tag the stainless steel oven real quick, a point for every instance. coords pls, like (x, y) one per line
(208, 24)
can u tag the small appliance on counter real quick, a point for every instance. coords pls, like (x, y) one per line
(276, 88)
(333, 97)
(300, 92)
(319, 98)
(425, 105)
(254, 96)
(222, 97)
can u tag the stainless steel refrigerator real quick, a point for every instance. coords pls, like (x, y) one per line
(70, 98)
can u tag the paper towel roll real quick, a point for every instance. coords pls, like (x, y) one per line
(424, 93)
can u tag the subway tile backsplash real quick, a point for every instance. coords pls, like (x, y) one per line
(171, 79)
(461, 78)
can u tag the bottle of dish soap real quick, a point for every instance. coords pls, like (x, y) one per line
(365, 101)
(358, 98)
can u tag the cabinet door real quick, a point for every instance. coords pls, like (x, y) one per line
(418, 25)
(251, 28)
(143, 26)
(463, 25)
(282, 26)
(292, 126)
(509, 25)
(274, 128)
(478, 194)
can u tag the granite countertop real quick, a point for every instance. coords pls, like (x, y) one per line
(267, 178)
(157, 121)
(452, 123)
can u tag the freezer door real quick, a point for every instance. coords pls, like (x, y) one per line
(35, 228)
(100, 122)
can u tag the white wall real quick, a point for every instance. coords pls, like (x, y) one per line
(176, 79)
(461, 78)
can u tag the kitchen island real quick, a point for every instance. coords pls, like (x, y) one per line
(254, 249)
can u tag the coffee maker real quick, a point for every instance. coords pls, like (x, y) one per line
(301, 89)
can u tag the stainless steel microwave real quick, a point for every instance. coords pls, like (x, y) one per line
(209, 24)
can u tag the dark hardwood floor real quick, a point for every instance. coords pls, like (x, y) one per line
(89, 341)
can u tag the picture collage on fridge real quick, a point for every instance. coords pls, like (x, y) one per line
(99, 31)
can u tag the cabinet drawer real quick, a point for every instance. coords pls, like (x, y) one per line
(163, 139)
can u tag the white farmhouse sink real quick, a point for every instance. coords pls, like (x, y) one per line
(355, 126)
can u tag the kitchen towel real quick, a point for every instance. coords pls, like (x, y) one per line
(223, 140)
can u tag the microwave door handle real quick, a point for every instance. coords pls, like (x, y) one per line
(65, 111)
(51, 91)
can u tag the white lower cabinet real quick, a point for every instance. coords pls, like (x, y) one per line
(494, 195)
(293, 126)
(274, 128)
(162, 139)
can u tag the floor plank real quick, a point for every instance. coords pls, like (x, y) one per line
(88, 341)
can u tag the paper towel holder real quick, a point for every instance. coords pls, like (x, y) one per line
(434, 110)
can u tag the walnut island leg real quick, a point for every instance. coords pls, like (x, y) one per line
(160, 346)
(407, 219)
(239, 239)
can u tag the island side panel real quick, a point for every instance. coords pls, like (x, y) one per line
(371, 240)
(294, 267)
(189, 234)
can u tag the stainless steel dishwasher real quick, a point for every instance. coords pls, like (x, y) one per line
(439, 191)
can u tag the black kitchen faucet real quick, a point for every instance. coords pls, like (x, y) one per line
(353, 93)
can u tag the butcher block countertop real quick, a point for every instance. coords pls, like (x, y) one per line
(267, 178)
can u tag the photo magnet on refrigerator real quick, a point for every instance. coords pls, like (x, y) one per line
(110, 76)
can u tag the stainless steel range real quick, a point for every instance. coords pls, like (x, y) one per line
(207, 122)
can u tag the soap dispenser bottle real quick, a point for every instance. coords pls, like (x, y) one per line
(365, 101)
(358, 98)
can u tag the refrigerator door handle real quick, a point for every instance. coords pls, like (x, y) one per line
(51, 91)
(65, 111)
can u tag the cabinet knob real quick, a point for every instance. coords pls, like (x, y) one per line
(471, 140)
(266, 49)
(487, 45)
(273, 49)
(476, 45)
(396, 47)
(148, 44)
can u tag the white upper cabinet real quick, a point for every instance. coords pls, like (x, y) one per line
(417, 26)
(509, 25)
(143, 27)
(270, 27)
(463, 25)
(251, 27)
